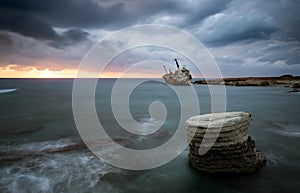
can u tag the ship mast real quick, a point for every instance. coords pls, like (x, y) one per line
(165, 69)
(177, 63)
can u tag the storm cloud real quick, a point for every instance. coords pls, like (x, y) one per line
(240, 34)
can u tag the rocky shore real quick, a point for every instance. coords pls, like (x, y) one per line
(285, 81)
(229, 148)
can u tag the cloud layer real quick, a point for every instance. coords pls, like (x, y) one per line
(246, 37)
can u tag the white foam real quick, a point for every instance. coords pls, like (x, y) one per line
(63, 172)
(290, 130)
(38, 146)
(54, 144)
(273, 160)
(7, 90)
(150, 124)
(277, 159)
(290, 134)
(31, 183)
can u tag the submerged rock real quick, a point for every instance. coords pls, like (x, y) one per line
(294, 90)
(296, 85)
(226, 144)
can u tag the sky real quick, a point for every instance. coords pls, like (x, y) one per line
(48, 39)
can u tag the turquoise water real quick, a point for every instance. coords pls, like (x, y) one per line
(45, 107)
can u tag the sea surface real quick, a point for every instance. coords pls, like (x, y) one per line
(36, 115)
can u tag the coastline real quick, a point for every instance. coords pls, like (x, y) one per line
(283, 81)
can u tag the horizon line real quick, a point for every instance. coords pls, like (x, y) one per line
(142, 77)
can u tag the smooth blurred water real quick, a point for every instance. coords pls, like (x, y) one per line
(45, 107)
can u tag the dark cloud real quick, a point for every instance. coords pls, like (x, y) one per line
(87, 13)
(70, 37)
(200, 10)
(281, 51)
(31, 26)
(293, 60)
(25, 24)
(260, 33)
(64, 13)
(5, 39)
(26, 52)
(39, 19)
(237, 23)
(286, 14)
(76, 34)
(252, 34)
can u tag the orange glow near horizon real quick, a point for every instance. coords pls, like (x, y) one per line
(32, 72)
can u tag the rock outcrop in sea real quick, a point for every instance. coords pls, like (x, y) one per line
(284, 81)
(233, 151)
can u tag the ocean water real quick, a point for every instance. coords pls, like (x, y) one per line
(36, 115)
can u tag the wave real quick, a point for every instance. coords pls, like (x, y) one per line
(276, 159)
(7, 90)
(38, 146)
(71, 171)
(289, 130)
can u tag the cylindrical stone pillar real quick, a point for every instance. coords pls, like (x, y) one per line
(233, 151)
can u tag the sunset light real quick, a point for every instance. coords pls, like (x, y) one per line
(32, 72)
(47, 74)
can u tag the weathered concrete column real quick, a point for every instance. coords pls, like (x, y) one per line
(233, 151)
